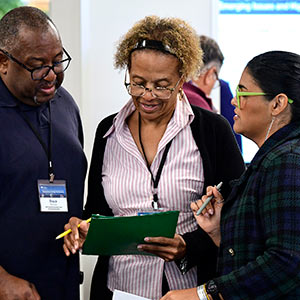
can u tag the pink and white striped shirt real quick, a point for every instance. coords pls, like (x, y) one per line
(128, 189)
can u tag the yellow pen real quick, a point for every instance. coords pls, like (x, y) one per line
(69, 230)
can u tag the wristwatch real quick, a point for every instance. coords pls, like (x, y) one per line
(212, 289)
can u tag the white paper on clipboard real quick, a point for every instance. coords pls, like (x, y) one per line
(119, 295)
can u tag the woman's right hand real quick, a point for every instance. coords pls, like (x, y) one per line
(209, 219)
(75, 239)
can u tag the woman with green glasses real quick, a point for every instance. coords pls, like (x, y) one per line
(257, 227)
(264, 95)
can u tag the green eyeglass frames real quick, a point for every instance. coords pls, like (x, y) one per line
(239, 93)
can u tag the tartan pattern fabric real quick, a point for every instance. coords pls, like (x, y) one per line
(259, 255)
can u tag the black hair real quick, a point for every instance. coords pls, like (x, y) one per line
(12, 21)
(278, 72)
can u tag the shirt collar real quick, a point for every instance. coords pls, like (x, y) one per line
(7, 99)
(120, 118)
(288, 132)
(182, 117)
(192, 85)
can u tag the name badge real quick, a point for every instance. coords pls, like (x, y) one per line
(150, 211)
(53, 196)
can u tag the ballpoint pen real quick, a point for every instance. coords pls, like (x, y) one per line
(70, 230)
(207, 200)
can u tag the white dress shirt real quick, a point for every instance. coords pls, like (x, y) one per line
(128, 189)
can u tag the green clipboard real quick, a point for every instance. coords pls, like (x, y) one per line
(122, 235)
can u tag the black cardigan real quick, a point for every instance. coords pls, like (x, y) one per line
(222, 161)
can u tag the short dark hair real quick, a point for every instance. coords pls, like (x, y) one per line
(278, 72)
(12, 21)
(211, 51)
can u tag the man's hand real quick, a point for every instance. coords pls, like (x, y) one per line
(167, 248)
(188, 294)
(14, 288)
(74, 240)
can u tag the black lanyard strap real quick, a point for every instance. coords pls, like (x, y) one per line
(155, 180)
(48, 150)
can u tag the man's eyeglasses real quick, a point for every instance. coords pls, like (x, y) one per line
(41, 72)
(239, 94)
(217, 82)
(138, 90)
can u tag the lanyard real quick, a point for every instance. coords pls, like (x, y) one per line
(161, 165)
(47, 151)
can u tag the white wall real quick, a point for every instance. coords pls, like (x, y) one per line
(90, 30)
(68, 22)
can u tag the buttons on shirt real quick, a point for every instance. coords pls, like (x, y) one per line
(231, 251)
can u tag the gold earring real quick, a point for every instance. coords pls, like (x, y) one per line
(181, 94)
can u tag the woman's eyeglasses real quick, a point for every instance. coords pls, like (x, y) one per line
(239, 94)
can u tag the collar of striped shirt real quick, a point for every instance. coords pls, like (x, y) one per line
(182, 117)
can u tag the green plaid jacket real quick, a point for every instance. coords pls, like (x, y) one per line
(259, 255)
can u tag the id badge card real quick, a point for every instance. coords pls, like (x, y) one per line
(53, 196)
(150, 211)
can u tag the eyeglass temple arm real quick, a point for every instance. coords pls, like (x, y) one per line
(257, 94)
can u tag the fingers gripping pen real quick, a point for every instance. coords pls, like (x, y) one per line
(208, 200)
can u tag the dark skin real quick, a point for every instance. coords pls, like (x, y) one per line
(35, 49)
(148, 68)
(14, 288)
(166, 248)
